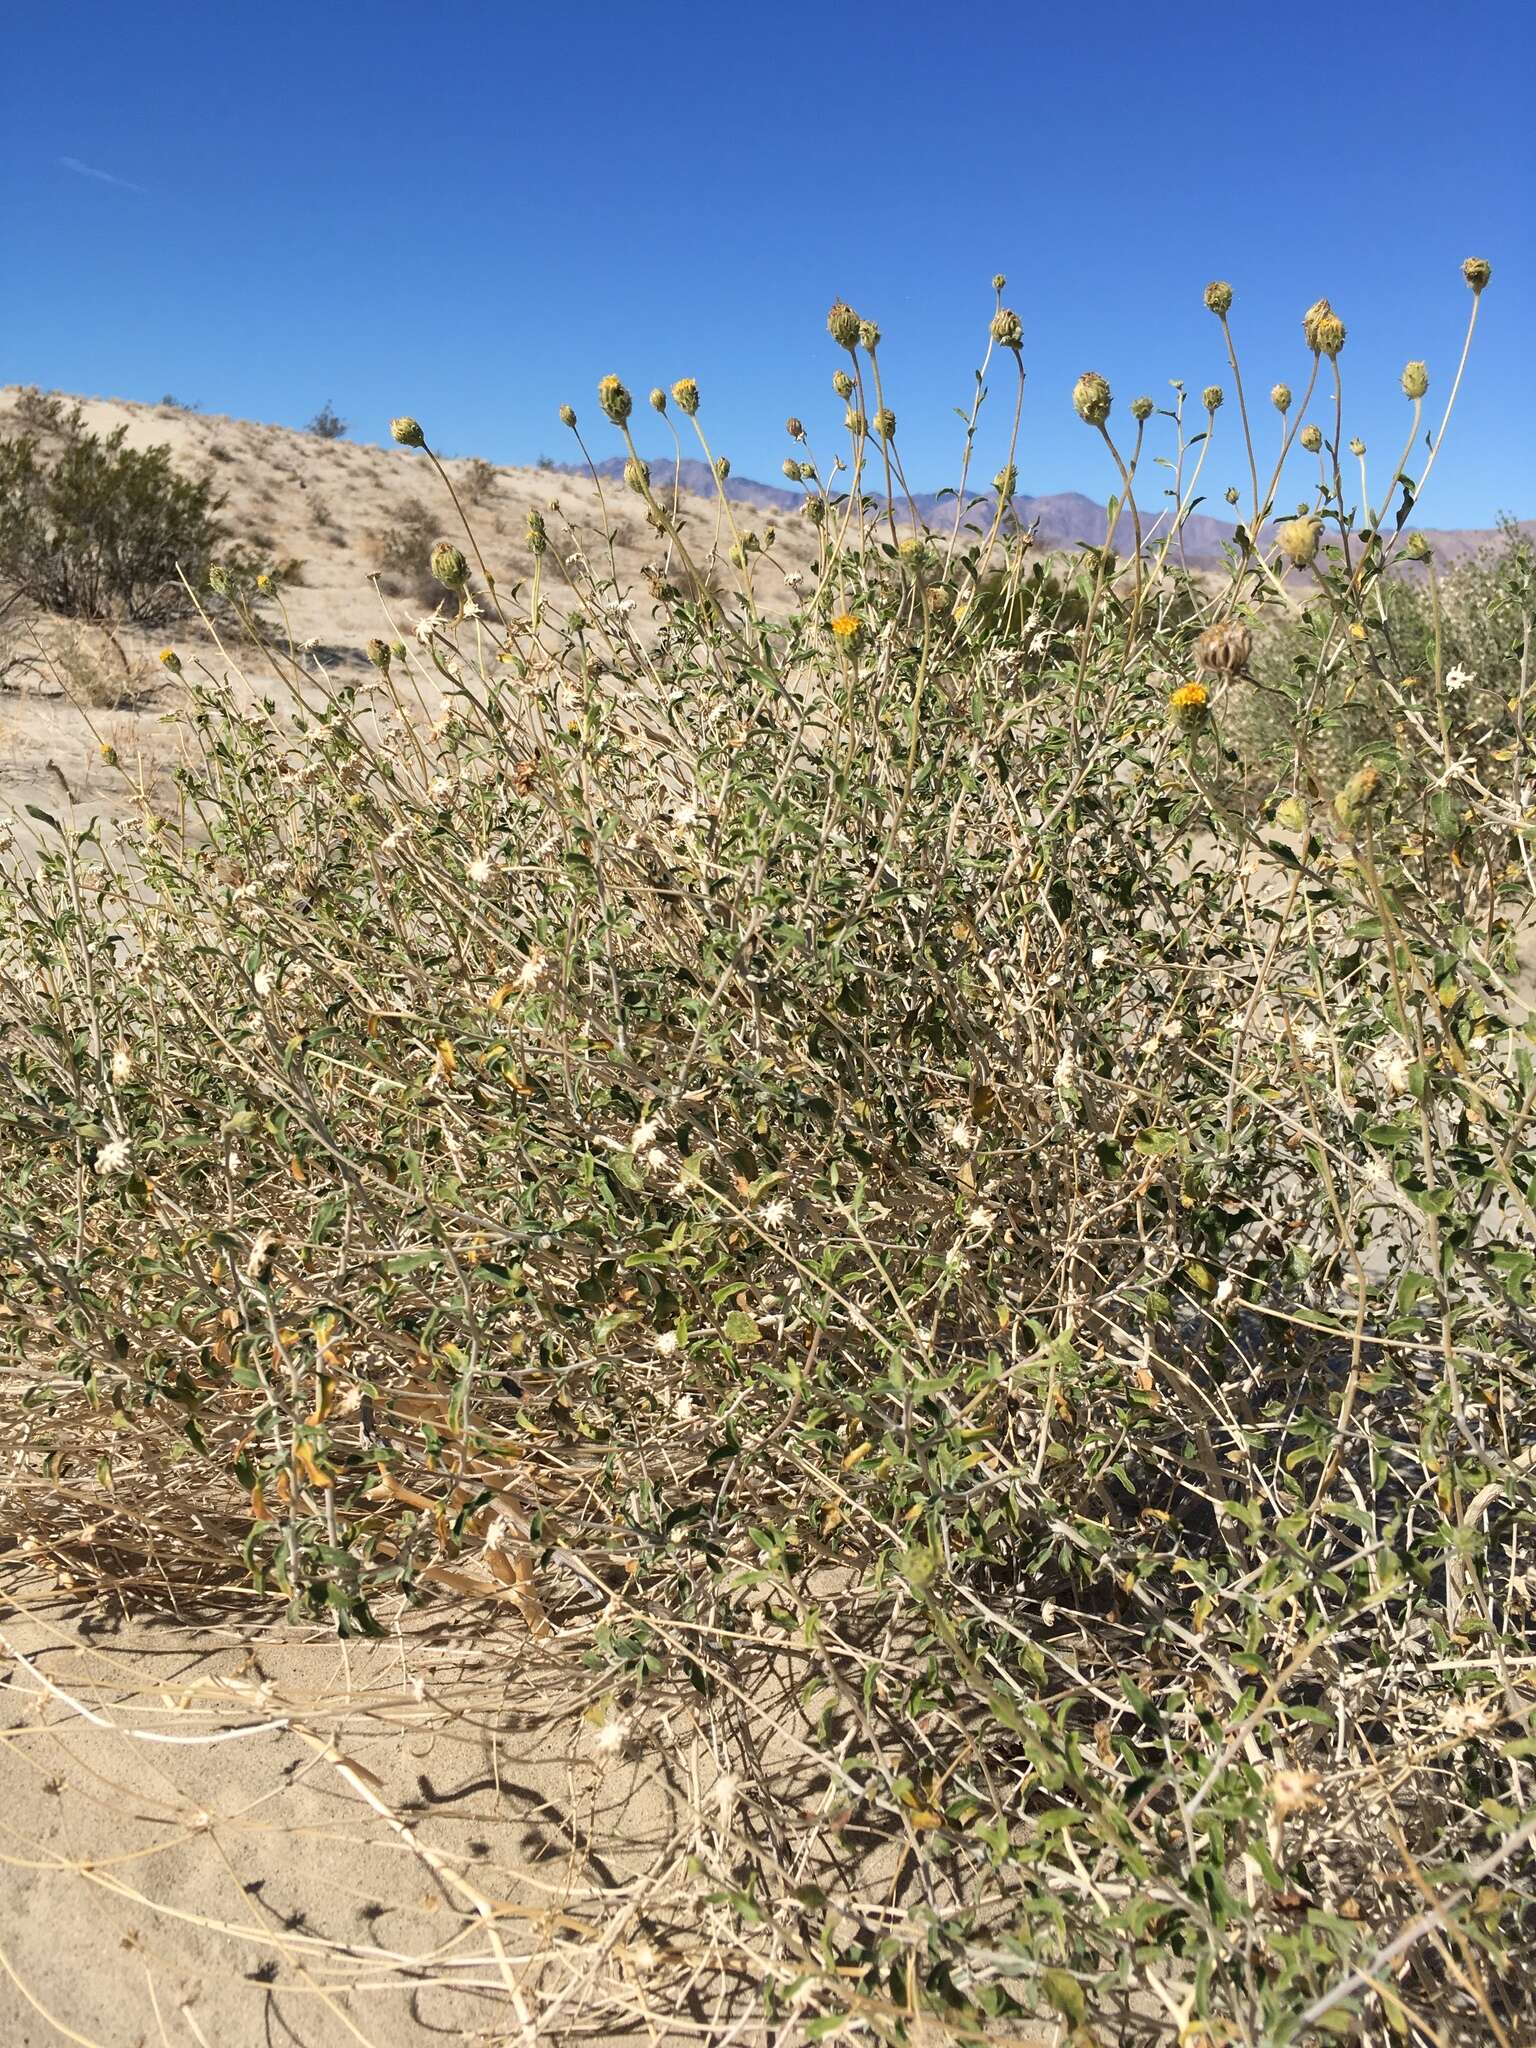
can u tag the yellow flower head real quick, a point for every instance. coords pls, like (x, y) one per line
(1357, 631)
(171, 659)
(847, 627)
(1190, 706)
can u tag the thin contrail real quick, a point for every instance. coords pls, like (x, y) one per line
(73, 163)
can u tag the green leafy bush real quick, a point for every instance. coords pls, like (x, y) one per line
(914, 1218)
(93, 529)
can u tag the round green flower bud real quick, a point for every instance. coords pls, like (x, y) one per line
(999, 283)
(1007, 328)
(1357, 796)
(842, 383)
(1091, 398)
(794, 428)
(1230, 494)
(1211, 397)
(637, 474)
(791, 469)
(1477, 271)
(1006, 482)
(397, 649)
(816, 511)
(1218, 297)
(1418, 548)
(407, 432)
(1280, 397)
(1298, 540)
(615, 400)
(567, 415)
(686, 392)
(869, 336)
(1311, 439)
(1142, 408)
(1357, 446)
(722, 466)
(378, 653)
(843, 325)
(538, 534)
(855, 421)
(658, 399)
(885, 423)
(1415, 380)
(449, 566)
(219, 579)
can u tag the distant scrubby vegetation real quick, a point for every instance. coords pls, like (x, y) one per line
(93, 529)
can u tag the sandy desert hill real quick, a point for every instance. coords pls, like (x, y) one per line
(338, 514)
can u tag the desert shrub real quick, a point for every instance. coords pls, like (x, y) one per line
(401, 555)
(479, 480)
(847, 1156)
(327, 424)
(96, 530)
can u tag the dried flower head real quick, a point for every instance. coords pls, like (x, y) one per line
(122, 1066)
(1323, 329)
(637, 474)
(378, 652)
(885, 423)
(1298, 539)
(842, 383)
(869, 336)
(794, 428)
(1415, 379)
(1356, 445)
(116, 1156)
(567, 415)
(1477, 270)
(407, 432)
(1280, 397)
(1225, 647)
(1007, 328)
(1218, 297)
(1142, 409)
(1091, 398)
(1211, 397)
(1311, 439)
(843, 325)
(686, 392)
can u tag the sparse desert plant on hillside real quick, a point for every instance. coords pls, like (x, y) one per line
(327, 424)
(94, 529)
(479, 480)
(957, 1249)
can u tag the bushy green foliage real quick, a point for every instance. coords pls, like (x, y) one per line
(864, 1140)
(94, 529)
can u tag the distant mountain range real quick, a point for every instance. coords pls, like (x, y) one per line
(1061, 519)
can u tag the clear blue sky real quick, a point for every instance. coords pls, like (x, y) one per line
(472, 211)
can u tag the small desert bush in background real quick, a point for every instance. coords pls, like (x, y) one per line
(867, 1149)
(93, 529)
(400, 555)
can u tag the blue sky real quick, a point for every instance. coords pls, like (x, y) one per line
(473, 211)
